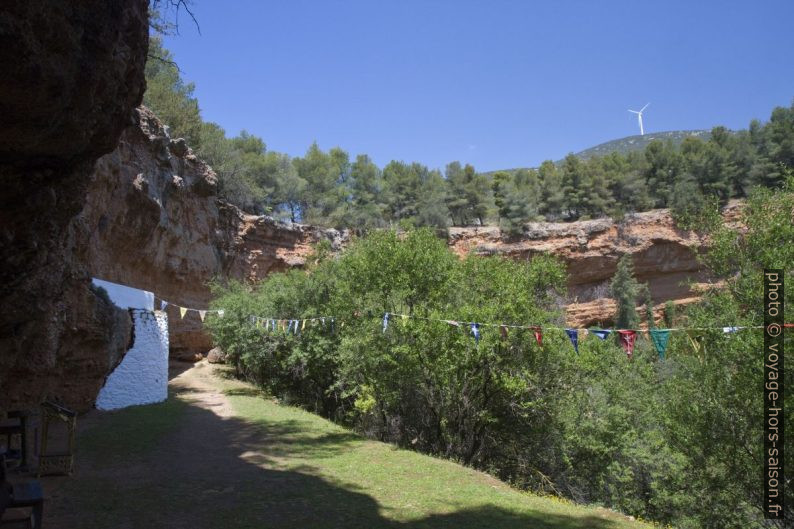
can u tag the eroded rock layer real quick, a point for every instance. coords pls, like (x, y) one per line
(156, 223)
(664, 257)
(72, 73)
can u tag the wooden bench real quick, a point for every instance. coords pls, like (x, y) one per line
(20, 496)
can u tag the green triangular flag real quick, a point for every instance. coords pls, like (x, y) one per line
(660, 337)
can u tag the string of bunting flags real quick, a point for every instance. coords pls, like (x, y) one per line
(184, 310)
(626, 337)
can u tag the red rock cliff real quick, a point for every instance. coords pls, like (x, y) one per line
(664, 257)
(156, 223)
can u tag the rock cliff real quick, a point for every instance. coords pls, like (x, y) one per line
(156, 223)
(72, 73)
(664, 257)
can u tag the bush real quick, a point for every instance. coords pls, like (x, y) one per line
(422, 383)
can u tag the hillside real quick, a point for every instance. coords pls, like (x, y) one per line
(638, 143)
(630, 144)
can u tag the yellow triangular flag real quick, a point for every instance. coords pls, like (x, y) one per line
(303, 325)
(202, 313)
(182, 312)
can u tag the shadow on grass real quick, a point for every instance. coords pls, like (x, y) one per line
(244, 392)
(178, 465)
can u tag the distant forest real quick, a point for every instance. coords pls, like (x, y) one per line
(330, 188)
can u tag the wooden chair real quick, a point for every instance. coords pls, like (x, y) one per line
(62, 462)
(20, 495)
(9, 431)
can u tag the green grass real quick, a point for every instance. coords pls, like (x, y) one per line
(412, 489)
(273, 466)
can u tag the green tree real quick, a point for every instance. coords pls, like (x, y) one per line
(625, 290)
(457, 203)
(714, 414)
(501, 184)
(432, 208)
(468, 194)
(366, 208)
(552, 199)
(774, 143)
(402, 183)
(575, 186)
(325, 175)
(168, 96)
(664, 167)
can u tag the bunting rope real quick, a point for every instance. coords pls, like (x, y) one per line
(626, 337)
(387, 315)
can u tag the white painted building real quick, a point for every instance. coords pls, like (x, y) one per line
(142, 375)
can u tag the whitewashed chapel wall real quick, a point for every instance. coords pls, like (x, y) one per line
(142, 376)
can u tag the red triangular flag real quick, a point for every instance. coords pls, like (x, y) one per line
(627, 339)
(538, 336)
(503, 331)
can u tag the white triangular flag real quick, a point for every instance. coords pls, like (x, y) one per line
(182, 312)
(221, 313)
(202, 313)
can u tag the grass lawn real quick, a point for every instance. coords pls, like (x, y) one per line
(219, 454)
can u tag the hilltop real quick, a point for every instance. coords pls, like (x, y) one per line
(629, 144)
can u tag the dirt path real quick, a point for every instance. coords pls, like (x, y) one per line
(186, 474)
(195, 386)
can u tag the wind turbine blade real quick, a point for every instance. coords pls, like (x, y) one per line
(646, 106)
(634, 111)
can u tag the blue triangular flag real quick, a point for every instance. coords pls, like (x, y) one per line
(660, 337)
(475, 331)
(385, 321)
(163, 304)
(573, 334)
(601, 333)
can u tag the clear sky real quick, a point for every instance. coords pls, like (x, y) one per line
(494, 83)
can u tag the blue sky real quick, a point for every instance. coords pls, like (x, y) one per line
(494, 83)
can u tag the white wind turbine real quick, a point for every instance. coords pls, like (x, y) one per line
(639, 117)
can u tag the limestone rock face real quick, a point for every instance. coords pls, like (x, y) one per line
(156, 223)
(72, 73)
(664, 256)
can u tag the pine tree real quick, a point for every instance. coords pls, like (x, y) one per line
(401, 182)
(432, 208)
(551, 197)
(624, 290)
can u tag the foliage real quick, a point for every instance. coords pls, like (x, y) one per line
(168, 96)
(674, 440)
(669, 314)
(715, 411)
(625, 290)
(426, 384)
(326, 188)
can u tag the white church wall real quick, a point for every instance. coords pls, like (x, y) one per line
(142, 375)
